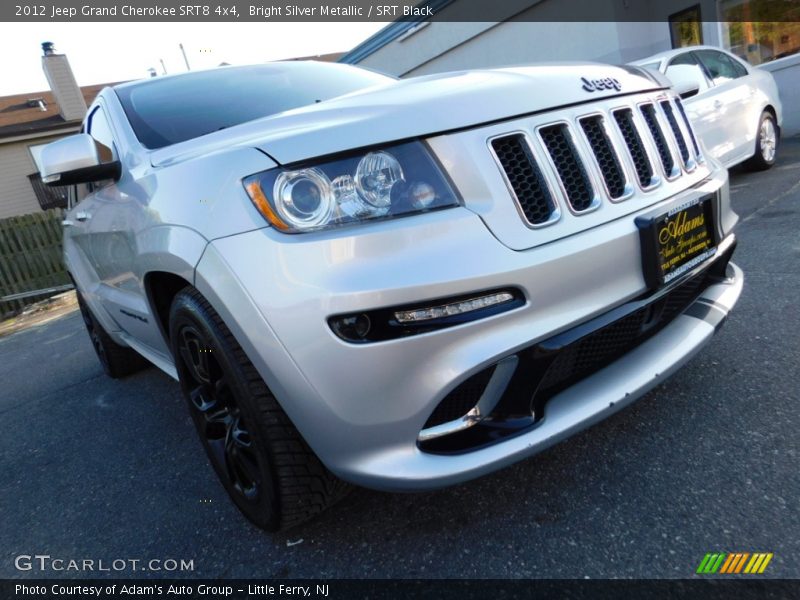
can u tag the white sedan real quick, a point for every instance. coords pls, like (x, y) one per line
(734, 106)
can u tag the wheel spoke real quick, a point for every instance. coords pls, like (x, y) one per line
(239, 435)
(200, 399)
(216, 415)
(248, 467)
(767, 139)
(195, 355)
(98, 344)
(217, 454)
(242, 465)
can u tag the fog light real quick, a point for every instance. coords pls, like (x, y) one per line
(455, 308)
(353, 327)
(394, 322)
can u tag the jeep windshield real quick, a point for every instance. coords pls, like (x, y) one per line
(165, 111)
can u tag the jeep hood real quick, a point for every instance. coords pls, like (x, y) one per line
(418, 107)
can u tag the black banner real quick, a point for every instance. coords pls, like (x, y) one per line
(383, 10)
(335, 589)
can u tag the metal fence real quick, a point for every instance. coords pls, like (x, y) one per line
(31, 267)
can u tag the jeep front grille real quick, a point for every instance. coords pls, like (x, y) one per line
(676, 131)
(644, 170)
(569, 166)
(607, 160)
(524, 178)
(649, 113)
(583, 160)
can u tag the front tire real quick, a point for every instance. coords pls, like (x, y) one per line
(264, 464)
(766, 144)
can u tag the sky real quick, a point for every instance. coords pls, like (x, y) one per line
(112, 52)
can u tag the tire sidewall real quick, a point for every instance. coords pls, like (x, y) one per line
(97, 335)
(759, 155)
(186, 310)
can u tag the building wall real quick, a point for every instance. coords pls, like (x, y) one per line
(786, 72)
(527, 31)
(513, 43)
(16, 194)
(527, 36)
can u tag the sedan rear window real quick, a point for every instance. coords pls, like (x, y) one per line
(165, 111)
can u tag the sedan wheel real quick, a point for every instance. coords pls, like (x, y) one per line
(766, 144)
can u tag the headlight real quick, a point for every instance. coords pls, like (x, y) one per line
(394, 181)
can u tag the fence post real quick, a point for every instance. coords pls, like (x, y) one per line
(30, 257)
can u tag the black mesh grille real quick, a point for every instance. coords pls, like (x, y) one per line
(644, 171)
(461, 400)
(649, 113)
(525, 178)
(585, 356)
(688, 127)
(569, 166)
(606, 157)
(676, 130)
(602, 347)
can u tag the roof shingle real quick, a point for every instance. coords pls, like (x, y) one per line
(17, 117)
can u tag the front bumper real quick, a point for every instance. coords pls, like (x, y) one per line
(361, 407)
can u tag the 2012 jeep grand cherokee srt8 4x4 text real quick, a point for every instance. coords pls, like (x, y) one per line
(401, 284)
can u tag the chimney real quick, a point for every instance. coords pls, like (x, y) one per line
(62, 82)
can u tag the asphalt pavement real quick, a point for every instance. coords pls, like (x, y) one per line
(97, 469)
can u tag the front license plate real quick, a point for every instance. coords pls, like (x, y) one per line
(676, 242)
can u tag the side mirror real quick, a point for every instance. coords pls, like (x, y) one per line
(75, 159)
(687, 80)
(687, 90)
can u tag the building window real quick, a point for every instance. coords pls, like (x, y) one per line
(685, 28)
(760, 31)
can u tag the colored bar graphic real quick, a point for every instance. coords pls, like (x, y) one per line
(718, 563)
(727, 565)
(740, 564)
(703, 563)
(764, 564)
(731, 563)
(755, 562)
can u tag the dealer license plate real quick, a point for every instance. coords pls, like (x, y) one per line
(679, 240)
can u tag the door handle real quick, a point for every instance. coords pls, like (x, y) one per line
(67, 223)
(82, 216)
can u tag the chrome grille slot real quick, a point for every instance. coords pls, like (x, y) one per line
(664, 153)
(605, 155)
(689, 129)
(579, 166)
(666, 105)
(524, 178)
(641, 162)
(569, 166)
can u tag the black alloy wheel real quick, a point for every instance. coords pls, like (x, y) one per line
(262, 461)
(217, 415)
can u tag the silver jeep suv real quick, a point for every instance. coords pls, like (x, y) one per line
(398, 284)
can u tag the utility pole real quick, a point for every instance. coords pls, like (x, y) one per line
(186, 60)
